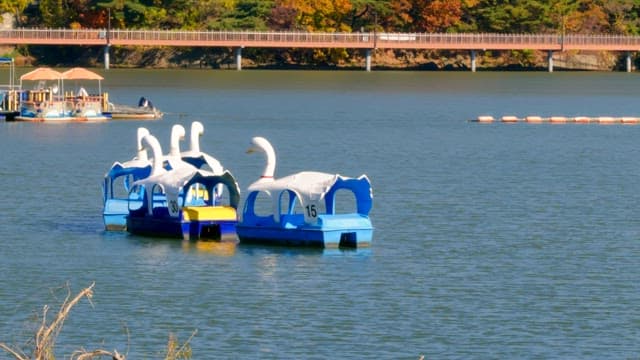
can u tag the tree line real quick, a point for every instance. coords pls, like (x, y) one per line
(512, 16)
(453, 16)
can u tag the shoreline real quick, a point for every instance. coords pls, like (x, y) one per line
(383, 60)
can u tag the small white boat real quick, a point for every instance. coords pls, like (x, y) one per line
(144, 111)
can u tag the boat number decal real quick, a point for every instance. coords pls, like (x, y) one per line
(311, 211)
(174, 206)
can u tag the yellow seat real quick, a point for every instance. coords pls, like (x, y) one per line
(200, 213)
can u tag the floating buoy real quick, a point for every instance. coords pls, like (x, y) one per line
(509, 118)
(485, 118)
(630, 120)
(558, 119)
(606, 120)
(561, 119)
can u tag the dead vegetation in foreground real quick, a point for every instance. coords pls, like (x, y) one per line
(45, 337)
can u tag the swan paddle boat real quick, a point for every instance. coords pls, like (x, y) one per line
(116, 195)
(300, 209)
(180, 201)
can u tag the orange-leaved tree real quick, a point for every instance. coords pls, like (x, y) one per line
(426, 16)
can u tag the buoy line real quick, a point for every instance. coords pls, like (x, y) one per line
(605, 120)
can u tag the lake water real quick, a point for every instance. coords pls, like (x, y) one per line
(491, 240)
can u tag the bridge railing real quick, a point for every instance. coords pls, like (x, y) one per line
(365, 39)
(249, 36)
(302, 37)
(53, 34)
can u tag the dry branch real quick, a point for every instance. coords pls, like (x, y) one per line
(46, 334)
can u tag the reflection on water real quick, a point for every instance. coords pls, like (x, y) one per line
(159, 246)
(219, 248)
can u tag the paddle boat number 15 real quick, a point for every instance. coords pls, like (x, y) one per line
(311, 211)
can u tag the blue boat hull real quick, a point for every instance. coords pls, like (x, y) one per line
(305, 237)
(330, 231)
(115, 213)
(187, 230)
(115, 222)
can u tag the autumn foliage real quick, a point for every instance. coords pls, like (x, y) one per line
(419, 16)
(580, 16)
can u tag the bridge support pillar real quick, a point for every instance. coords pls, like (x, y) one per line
(550, 60)
(239, 58)
(629, 68)
(368, 59)
(473, 61)
(106, 57)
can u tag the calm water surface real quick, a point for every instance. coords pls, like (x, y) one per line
(491, 241)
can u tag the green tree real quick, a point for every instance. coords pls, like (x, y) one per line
(514, 16)
(246, 15)
(131, 13)
(366, 14)
(15, 7)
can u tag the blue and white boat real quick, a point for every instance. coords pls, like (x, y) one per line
(10, 92)
(300, 209)
(180, 200)
(48, 100)
(116, 195)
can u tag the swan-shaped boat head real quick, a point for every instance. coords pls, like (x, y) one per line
(177, 134)
(196, 157)
(197, 129)
(260, 144)
(150, 142)
(142, 152)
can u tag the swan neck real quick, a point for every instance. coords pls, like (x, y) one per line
(142, 155)
(196, 131)
(142, 152)
(177, 134)
(150, 142)
(270, 168)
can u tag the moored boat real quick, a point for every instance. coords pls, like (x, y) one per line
(144, 111)
(116, 187)
(180, 200)
(9, 92)
(49, 101)
(301, 209)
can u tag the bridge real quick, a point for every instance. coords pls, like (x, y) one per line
(367, 41)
